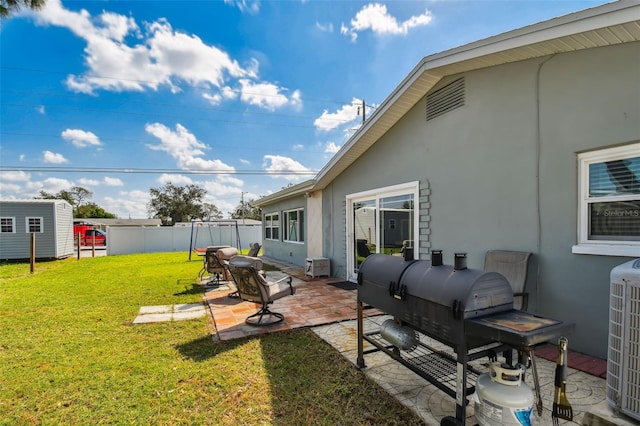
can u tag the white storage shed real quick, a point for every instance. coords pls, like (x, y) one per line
(50, 220)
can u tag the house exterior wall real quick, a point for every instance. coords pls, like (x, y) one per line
(314, 224)
(478, 167)
(295, 253)
(56, 240)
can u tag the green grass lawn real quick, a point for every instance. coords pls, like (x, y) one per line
(69, 354)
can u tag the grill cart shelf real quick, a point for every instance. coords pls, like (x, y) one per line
(436, 366)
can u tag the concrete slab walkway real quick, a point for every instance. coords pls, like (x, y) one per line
(160, 313)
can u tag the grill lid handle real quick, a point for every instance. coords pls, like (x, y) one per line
(397, 291)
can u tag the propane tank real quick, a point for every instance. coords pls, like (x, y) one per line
(502, 398)
(399, 336)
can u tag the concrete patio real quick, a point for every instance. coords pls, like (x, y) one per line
(330, 311)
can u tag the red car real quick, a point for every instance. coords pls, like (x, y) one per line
(87, 235)
(91, 234)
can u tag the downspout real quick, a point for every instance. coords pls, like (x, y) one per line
(538, 197)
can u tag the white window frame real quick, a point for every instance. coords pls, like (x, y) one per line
(286, 227)
(602, 247)
(268, 223)
(13, 225)
(377, 194)
(27, 225)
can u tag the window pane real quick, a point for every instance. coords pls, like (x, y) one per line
(301, 225)
(291, 226)
(396, 223)
(33, 224)
(618, 177)
(364, 226)
(6, 224)
(618, 220)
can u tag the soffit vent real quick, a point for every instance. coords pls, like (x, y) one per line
(445, 99)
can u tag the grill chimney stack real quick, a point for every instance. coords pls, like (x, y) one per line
(436, 257)
(460, 261)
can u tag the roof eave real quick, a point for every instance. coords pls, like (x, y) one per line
(286, 193)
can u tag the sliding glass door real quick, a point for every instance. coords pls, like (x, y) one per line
(380, 221)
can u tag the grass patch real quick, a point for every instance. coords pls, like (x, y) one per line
(70, 355)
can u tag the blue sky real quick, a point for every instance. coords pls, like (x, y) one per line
(239, 97)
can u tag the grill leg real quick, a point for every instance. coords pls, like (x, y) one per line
(360, 360)
(461, 391)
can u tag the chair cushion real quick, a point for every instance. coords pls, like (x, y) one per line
(226, 253)
(256, 262)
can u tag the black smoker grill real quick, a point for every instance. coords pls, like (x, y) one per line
(469, 310)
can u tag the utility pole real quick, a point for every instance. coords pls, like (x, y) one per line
(363, 112)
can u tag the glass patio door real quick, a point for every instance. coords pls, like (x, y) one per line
(364, 231)
(380, 221)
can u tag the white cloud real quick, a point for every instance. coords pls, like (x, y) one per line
(52, 185)
(328, 28)
(9, 188)
(331, 148)
(88, 182)
(15, 176)
(281, 167)
(132, 204)
(346, 114)
(187, 150)
(81, 138)
(40, 109)
(109, 181)
(243, 161)
(375, 17)
(54, 158)
(221, 194)
(11, 183)
(121, 56)
(297, 147)
(165, 178)
(246, 6)
(267, 95)
(225, 93)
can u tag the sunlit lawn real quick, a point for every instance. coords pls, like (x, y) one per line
(69, 354)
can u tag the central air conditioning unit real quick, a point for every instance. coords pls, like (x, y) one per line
(623, 361)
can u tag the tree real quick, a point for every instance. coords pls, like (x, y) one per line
(9, 6)
(246, 210)
(172, 204)
(92, 210)
(77, 196)
(211, 212)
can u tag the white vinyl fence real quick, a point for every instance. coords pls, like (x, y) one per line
(126, 240)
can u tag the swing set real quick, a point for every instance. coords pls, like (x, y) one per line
(220, 232)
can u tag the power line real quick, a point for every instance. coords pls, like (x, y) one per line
(129, 113)
(134, 170)
(160, 104)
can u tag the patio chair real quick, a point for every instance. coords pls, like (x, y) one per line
(514, 266)
(215, 263)
(254, 248)
(224, 255)
(256, 262)
(211, 266)
(253, 287)
(362, 248)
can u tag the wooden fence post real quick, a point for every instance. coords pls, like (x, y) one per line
(33, 252)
